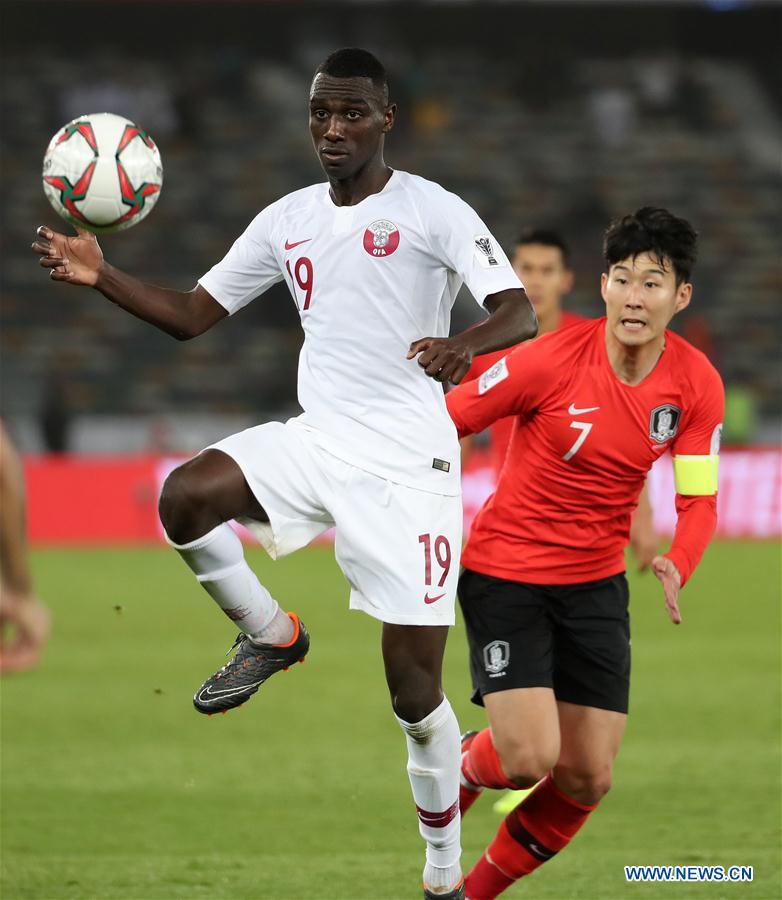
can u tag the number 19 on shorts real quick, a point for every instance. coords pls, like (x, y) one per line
(441, 549)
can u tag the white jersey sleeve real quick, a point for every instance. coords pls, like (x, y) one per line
(462, 241)
(248, 269)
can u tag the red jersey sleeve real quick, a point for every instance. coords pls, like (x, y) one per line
(517, 384)
(483, 362)
(695, 453)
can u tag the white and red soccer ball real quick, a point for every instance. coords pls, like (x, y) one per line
(102, 172)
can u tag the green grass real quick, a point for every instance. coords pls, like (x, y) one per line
(112, 786)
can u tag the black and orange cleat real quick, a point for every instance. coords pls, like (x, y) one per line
(252, 664)
(456, 894)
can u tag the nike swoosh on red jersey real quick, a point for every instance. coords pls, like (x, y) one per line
(573, 411)
(295, 243)
(428, 599)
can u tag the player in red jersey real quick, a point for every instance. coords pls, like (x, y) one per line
(541, 259)
(543, 592)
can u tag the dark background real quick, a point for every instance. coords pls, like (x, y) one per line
(563, 114)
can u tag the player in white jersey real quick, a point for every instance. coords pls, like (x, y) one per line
(374, 259)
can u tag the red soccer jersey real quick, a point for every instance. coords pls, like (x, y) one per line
(582, 445)
(500, 431)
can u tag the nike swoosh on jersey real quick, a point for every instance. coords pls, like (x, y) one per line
(289, 246)
(428, 599)
(574, 411)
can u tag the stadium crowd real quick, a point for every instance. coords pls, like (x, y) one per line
(521, 141)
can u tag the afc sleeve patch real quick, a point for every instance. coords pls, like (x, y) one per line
(493, 376)
(716, 440)
(486, 253)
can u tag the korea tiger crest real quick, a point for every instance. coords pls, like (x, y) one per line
(664, 422)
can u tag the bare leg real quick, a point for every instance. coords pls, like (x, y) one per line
(547, 820)
(590, 744)
(525, 732)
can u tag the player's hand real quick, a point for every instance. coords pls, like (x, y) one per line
(671, 581)
(24, 628)
(77, 260)
(444, 359)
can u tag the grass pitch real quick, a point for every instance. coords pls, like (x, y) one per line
(114, 787)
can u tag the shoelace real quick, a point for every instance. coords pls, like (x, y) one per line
(240, 638)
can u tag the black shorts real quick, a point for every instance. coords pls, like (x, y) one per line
(574, 638)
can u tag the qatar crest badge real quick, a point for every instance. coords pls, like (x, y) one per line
(664, 422)
(381, 238)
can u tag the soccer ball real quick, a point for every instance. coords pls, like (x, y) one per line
(102, 172)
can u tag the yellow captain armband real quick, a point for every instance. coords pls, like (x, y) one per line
(696, 476)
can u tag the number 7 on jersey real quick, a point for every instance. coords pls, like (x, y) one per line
(584, 428)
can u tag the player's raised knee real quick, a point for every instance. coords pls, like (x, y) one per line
(415, 705)
(182, 499)
(586, 786)
(525, 765)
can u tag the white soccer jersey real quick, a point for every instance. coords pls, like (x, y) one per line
(368, 280)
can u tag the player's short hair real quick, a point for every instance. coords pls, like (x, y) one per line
(353, 62)
(657, 232)
(548, 238)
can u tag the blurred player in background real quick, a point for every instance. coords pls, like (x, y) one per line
(543, 592)
(540, 258)
(374, 259)
(24, 623)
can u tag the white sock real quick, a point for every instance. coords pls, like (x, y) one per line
(434, 758)
(217, 559)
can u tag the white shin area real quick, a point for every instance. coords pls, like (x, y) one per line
(434, 761)
(217, 560)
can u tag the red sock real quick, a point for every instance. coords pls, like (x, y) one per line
(467, 797)
(481, 765)
(535, 831)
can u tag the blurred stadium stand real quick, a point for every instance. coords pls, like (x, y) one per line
(563, 114)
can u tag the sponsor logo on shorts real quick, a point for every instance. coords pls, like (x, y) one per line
(664, 422)
(441, 464)
(496, 657)
(381, 238)
(428, 599)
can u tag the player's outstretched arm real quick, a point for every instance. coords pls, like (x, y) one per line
(511, 320)
(78, 260)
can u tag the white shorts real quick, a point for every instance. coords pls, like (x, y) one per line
(398, 547)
